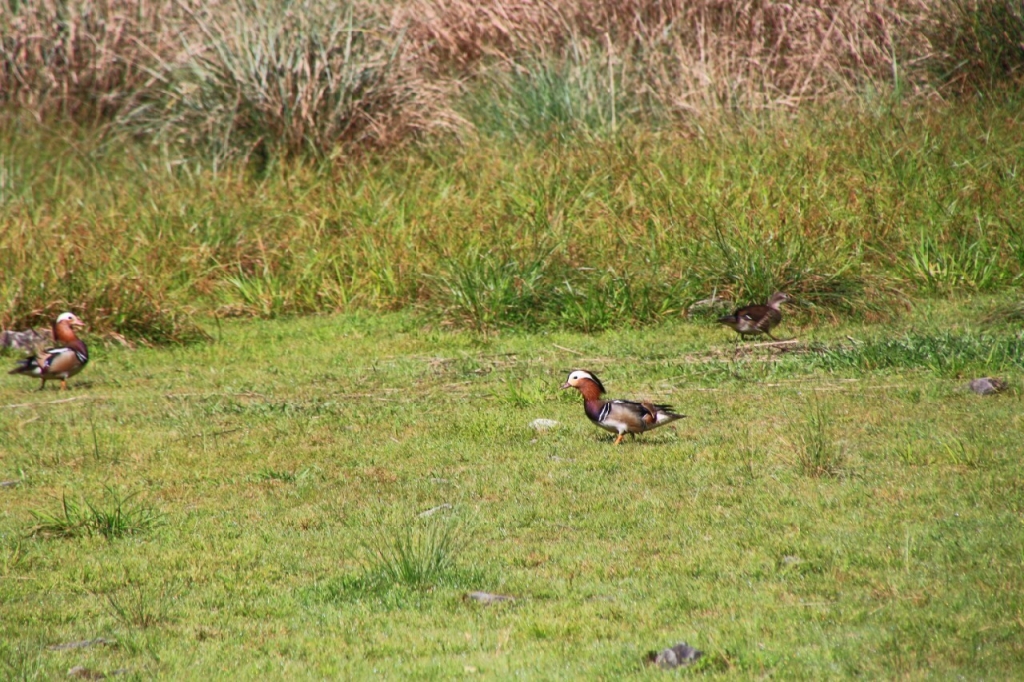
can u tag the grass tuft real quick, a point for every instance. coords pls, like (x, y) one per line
(965, 262)
(818, 452)
(138, 607)
(417, 556)
(21, 662)
(115, 517)
(1005, 313)
(268, 474)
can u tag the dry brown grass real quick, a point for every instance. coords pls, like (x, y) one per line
(693, 55)
(309, 75)
(83, 58)
(239, 74)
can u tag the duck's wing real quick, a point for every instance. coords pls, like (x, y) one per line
(52, 361)
(759, 317)
(62, 360)
(641, 415)
(625, 411)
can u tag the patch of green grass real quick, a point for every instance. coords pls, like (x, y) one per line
(853, 213)
(943, 352)
(556, 98)
(708, 531)
(967, 262)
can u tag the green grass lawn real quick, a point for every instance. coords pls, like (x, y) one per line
(269, 466)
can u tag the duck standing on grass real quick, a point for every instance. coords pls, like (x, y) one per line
(61, 361)
(757, 319)
(617, 416)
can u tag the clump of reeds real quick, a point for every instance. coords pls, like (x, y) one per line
(978, 44)
(837, 210)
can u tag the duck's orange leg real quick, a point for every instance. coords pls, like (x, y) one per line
(63, 384)
(619, 439)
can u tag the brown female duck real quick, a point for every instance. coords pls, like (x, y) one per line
(757, 319)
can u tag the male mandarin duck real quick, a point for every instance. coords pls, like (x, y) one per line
(66, 359)
(617, 416)
(757, 319)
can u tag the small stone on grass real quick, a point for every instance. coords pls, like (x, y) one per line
(987, 385)
(81, 644)
(541, 425)
(488, 598)
(680, 655)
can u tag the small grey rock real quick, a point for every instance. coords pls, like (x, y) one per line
(81, 644)
(678, 656)
(488, 598)
(541, 425)
(85, 673)
(987, 385)
(9, 484)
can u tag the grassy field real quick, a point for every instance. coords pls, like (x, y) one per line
(253, 507)
(336, 259)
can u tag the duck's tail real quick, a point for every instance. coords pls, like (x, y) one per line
(28, 366)
(729, 321)
(661, 414)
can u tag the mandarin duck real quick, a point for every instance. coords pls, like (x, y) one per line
(757, 319)
(617, 416)
(66, 359)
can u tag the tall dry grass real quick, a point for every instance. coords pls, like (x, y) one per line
(228, 77)
(83, 59)
(310, 75)
(691, 56)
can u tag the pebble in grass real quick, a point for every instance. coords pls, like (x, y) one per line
(542, 425)
(986, 385)
(488, 598)
(81, 644)
(80, 671)
(678, 656)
